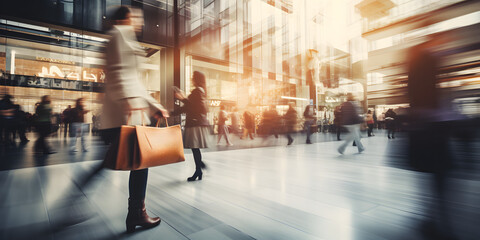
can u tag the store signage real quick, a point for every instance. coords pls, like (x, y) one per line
(51, 83)
(55, 71)
(215, 103)
(45, 59)
(39, 82)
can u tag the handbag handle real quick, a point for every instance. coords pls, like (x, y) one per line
(130, 115)
(158, 121)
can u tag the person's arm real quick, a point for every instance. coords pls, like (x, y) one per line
(186, 102)
(193, 97)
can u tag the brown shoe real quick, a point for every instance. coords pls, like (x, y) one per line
(137, 216)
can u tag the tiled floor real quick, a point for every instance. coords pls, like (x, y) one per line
(297, 192)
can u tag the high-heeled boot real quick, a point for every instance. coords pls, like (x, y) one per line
(198, 174)
(137, 216)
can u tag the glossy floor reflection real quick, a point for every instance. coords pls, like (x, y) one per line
(296, 192)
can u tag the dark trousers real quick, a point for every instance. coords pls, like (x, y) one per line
(7, 130)
(289, 137)
(43, 130)
(248, 132)
(370, 129)
(391, 131)
(339, 130)
(21, 134)
(308, 126)
(65, 129)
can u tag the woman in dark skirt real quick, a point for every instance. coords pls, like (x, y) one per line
(197, 127)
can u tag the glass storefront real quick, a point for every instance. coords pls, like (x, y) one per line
(37, 61)
(254, 53)
(259, 53)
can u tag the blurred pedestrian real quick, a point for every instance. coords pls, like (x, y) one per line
(351, 120)
(78, 128)
(390, 122)
(222, 127)
(309, 116)
(248, 124)
(196, 125)
(67, 120)
(21, 124)
(234, 118)
(43, 125)
(7, 120)
(370, 122)
(429, 133)
(338, 121)
(270, 122)
(126, 98)
(381, 121)
(290, 122)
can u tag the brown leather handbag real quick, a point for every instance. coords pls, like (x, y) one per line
(158, 146)
(140, 147)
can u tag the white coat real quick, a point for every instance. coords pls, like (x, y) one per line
(124, 56)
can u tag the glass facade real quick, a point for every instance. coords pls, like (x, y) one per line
(400, 10)
(254, 53)
(62, 56)
(257, 53)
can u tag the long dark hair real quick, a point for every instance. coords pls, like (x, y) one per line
(199, 80)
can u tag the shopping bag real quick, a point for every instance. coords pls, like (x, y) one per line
(120, 155)
(140, 147)
(158, 146)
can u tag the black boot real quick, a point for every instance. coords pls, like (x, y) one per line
(198, 174)
(290, 140)
(137, 216)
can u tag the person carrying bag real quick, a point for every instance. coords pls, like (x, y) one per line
(124, 96)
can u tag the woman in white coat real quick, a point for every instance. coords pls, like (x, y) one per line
(126, 96)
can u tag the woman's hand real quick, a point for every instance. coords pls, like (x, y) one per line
(164, 113)
(180, 95)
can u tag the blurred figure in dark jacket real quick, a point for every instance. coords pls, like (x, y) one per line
(248, 124)
(370, 122)
(7, 120)
(391, 123)
(309, 115)
(429, 131)
(43, 125)
(21, 124)
(337, 114)
(270, 122)
(78, 128)
(290, 122)
(67, 120)
(351, 121)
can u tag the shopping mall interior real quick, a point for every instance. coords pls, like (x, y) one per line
(256, 55)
